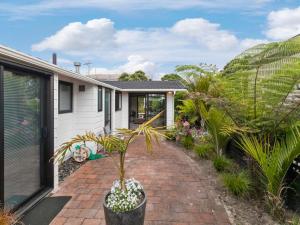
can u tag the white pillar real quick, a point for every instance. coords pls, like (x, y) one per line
(170, 109)
(113, 110)
(125, 109)
(56, 144)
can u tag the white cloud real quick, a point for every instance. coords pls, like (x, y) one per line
(248, 42)
(283, 24)
(134, 63)
(205, 33)
(18, 11)
(187, 41)
(137, 62)
(76, 37)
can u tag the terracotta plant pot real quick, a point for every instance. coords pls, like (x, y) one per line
(133, 217)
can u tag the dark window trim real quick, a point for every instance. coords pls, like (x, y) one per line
(106, 120)
(118, 96)
(68, 84)
(100, 106)
(146, 94)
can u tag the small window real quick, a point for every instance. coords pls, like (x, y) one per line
(118, 101)
(100, 100)
(65, 97)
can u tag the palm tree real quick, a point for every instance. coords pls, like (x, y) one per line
(198, 80)
(274, 160)
(216, 122)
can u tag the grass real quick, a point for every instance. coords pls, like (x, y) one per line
(221, 163)
(188, 142)
(204, 150)
(238, 184)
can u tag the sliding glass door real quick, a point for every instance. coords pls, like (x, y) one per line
(144, 106)
(24, 136)
(157, 104)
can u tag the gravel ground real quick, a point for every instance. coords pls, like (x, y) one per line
(67, 168)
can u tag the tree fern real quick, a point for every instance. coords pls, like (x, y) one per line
(256, 85)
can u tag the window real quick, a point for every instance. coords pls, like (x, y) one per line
(118, 100)
(100, 100)
(65, 97)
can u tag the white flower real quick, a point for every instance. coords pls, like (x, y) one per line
(125, 200)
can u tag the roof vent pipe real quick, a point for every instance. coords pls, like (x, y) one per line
(77, 67)
(54, 58)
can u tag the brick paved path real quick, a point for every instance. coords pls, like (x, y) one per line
(178, 191)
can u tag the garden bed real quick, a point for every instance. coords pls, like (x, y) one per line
(240, 211)
(68, 167)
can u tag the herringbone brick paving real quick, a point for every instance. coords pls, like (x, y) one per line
(178, 191)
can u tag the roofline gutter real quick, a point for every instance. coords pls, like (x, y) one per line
(24, 58)
(152, 90)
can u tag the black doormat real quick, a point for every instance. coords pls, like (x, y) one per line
(45, 211)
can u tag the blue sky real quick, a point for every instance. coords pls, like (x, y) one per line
(153, 35)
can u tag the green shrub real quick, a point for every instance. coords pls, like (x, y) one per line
(188, 142)
(295, 220)
(204, 150)
(221, 163)
(238, 184)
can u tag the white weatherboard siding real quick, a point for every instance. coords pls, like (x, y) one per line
(170, 109)
(113, 111)
(121, 116)
(85, 116)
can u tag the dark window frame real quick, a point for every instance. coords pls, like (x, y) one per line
(100, 104)
(107, 110)
(48, 131)
(146, 94)
(118, 99)
(71, 96)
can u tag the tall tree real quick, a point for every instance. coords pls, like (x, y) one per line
(136, 76)
(139, 75)
(124, 77)
(171, 77)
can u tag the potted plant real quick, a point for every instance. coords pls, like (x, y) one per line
(7, 218)
(125, 203)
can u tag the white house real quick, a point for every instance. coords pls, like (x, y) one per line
(43, 105)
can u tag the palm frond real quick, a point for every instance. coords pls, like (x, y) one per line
(275, 159)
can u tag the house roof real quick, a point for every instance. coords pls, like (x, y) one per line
(147, 85)
(11, 55)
